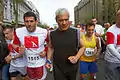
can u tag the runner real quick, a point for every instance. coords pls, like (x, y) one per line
(92, 50)
(33, 38)
(17, 60)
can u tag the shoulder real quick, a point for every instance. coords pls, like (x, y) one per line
(73, 28)
(53, 31)
(41, 29)
(95, 37)
(112, 28)
(20, 29)
(82, 36)
(98, 25)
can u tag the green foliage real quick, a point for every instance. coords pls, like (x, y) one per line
(43, 25)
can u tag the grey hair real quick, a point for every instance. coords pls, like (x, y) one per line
(61, 11)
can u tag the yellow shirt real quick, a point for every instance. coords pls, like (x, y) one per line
(89, 44)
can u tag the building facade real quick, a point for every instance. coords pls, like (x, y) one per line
(110, 9)
(86, 9)
(23, 7)
(103, 10)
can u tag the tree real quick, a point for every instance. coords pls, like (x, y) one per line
(43, 25)
(15, 8)
(1, 10)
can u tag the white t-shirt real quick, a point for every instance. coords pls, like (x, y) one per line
(113, 44)
(99, 29)
(34, 43)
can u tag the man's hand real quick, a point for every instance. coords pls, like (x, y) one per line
(8, 58)
(73, 59)
(22, 49)
(48, 64)
(43, 54)
(96, 34)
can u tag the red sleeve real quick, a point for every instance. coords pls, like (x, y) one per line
(10, 48)
(110, 38)
(16, 40)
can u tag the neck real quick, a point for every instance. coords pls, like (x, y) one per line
(63, 29)
(88, 35)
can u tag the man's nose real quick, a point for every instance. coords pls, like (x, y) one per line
(64, 22)
(29, 23)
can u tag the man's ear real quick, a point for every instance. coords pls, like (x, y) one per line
(36, 21)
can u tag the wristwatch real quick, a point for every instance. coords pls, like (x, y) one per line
(13, 57)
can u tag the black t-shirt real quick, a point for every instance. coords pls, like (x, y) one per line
(65, 44)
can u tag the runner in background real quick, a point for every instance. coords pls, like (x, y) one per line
(92, 50)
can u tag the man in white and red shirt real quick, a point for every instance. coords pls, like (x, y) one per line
(33, 38)
(112, 55)
(17, 59)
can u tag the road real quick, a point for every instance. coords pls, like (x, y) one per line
(99, 75)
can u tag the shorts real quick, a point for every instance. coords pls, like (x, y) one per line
(37, 73)
(60, 74)
(86, 67)
(14, 71)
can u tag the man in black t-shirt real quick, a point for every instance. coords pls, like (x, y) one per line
(63, 47)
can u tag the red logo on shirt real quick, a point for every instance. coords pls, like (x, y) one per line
(31, 41)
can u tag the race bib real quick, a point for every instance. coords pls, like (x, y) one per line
(31, 41)
(32, 59)
(89, 52)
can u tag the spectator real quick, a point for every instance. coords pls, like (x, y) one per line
(98, 28)
(17, 60)
(4, 66)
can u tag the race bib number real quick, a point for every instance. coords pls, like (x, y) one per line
(31, 41)
(33, 58)
(89, 52)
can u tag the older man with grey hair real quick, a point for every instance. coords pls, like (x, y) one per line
(63, 47)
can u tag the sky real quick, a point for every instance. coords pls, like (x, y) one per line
(47, 9)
